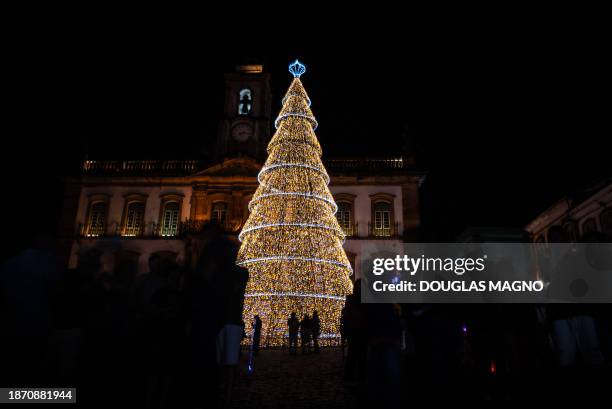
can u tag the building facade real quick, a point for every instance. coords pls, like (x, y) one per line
(130, 209)
(570, 218)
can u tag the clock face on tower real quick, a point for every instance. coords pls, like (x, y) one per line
(242, 132)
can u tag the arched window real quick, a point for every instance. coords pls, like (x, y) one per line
(382, 219)
(588, 226)
(245, 101)
(219, 212)
(96, 222)
(606, 221)
(134, 219)
(344, 217)
(170, 219)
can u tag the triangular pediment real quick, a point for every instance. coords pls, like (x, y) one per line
(233, 167)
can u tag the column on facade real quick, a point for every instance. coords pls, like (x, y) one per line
(411, 212)
(199, 206)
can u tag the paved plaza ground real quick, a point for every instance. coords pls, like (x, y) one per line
(280, 380)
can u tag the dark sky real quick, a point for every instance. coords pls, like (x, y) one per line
(505, 120)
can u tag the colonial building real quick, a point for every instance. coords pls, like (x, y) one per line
(589, 210)
(130, 209)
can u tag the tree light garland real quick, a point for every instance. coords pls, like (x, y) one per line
(292, 242)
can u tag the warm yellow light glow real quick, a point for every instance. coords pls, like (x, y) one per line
(250, 69)
(292, 243)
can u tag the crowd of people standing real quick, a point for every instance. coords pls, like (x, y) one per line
(168, 337)
(172, 336)
(309, 330)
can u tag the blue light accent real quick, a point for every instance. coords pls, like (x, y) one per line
(313, 121)
(301, 194)
(320, 226)
(296, 258)
(293, 95)
(288, 165)
(297, 69)
(303, 295)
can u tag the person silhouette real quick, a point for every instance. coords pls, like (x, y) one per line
(214, 292)
(256, 334)
(315, 330)
(294, 325)
(305, 333)
(343, 331)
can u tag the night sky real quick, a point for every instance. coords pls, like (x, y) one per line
(504, 121)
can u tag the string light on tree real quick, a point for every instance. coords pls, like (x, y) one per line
(291, 242)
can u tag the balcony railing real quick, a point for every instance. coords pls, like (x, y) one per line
(365, 163)
(141, 167)
(392, 230)
(156, 230)
(351, 231)
(110, 230)
(96, 230)
(190, 166)
(152, 230)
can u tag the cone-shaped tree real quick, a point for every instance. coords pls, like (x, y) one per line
(291, 242)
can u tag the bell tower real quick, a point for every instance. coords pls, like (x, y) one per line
(244, 129)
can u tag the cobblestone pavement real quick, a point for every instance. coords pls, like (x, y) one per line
(280, 380)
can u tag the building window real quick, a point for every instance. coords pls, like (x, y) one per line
(606, 221)
(219, 212)
(245, 101)
(346, 213)
(134, 219)
(170, 219)
(382, 219)
(96, 222)
(589, 226)
(343, 215)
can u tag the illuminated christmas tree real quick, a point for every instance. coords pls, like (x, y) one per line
(292, 242)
